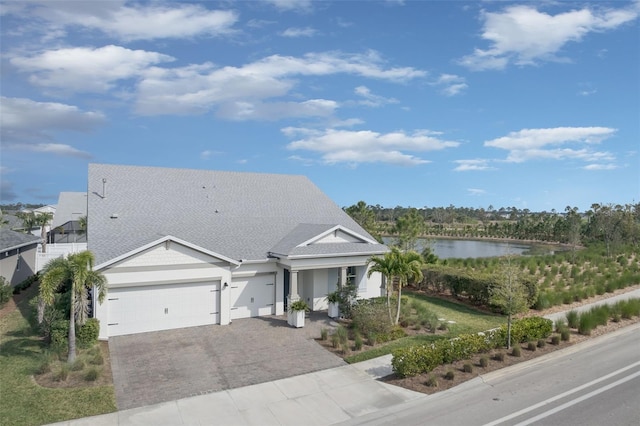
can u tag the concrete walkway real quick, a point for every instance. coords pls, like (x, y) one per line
(320, 398)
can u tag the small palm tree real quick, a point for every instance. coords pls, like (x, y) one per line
(42, 220)
(76, 270)
(397, 267)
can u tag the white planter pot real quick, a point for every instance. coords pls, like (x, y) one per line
(334, 310)
(296, 319)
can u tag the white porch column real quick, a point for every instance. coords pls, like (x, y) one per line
(293, 286)
(293, 295)
(342, 276)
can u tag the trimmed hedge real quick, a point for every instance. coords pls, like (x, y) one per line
(420, 359)
(87, 334)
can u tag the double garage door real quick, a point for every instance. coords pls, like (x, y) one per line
(162, 307)
(253, 297)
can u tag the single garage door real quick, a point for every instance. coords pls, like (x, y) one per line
(163, 307)
(252, 297)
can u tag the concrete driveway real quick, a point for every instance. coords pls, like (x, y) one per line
(149, 368)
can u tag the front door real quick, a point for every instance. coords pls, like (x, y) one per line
(287, 278)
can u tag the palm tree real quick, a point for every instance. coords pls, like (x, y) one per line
(409, 269)
(77, 271)
(399, 267)
(42, 220)
(386, 265)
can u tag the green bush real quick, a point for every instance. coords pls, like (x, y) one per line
(542, 343)
(467, 368)
(92, 374)
(555, 340)
(499, 356)
(450, 375)
(87, 334)
(372, 316)
(526, 329)
(565, 335)
(5, 291)
(531, 346)
(516, 351)
(78, 365)
(59, 334)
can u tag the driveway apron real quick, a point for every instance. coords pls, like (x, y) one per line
(149, 368)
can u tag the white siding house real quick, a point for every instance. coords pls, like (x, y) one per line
(185, 248)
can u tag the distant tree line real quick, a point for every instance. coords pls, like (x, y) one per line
(609, 224)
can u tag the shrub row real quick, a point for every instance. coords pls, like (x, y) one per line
(420, 359)
(473, 285)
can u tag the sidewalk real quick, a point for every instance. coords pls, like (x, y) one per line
(321, 398)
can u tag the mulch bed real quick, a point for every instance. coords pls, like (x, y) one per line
(419, 383)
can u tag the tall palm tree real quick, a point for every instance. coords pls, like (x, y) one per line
(77, 271)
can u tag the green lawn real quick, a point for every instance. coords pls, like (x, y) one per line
(23, 402)
(465, 320)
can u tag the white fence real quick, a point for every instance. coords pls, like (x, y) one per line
(56, 250)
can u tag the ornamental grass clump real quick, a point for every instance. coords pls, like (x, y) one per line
(484, 361)
(467, 368)
(517, 352)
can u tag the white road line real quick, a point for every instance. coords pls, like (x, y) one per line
(577, 400)
(562, 395)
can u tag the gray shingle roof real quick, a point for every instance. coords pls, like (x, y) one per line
(71, 206)
(12, 239)
(238, 215)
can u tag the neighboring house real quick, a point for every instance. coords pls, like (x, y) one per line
(186, 248)
(65, 227)
(65, 236)
(17, 255)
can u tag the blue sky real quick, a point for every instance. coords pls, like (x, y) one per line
(473, 104)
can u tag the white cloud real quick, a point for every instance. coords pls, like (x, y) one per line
(299, 32)
(451, 84)
(371, 99)
(365, 146)
(243, 110)
(26, 122)
(292, 5)
(522, 35)
(58, 149)
(476, 191)
(136, 22)
(472, 165)
(239, 92)
(84, 69)
(600, 167)
(529, 144)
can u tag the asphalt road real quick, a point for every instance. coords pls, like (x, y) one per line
(594, 383)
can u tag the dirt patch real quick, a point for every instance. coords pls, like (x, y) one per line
(424, 383)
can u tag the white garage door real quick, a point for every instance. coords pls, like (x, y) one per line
(163, 307)
(252, 297)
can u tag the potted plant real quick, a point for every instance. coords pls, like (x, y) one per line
(297, 310)
(334, 303)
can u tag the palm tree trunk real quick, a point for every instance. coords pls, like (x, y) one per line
(509, 331)
(40, 309)
(399, 302)
(72, 330)
(389, 282)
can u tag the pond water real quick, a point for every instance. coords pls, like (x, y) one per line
(462, 249)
